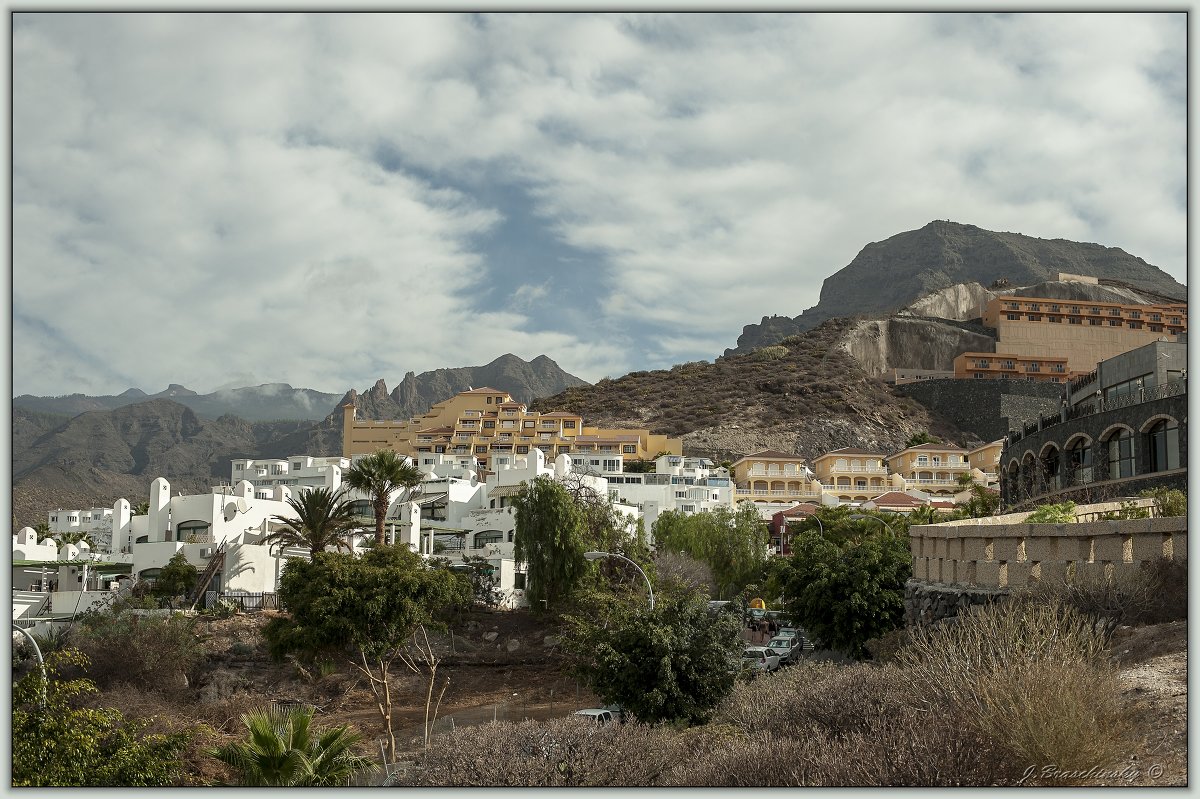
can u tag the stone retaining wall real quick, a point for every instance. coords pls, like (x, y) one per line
(972, 561)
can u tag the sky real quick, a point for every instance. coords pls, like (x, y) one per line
(228, 199)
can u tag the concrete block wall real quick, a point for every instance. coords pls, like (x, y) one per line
(1012, 554)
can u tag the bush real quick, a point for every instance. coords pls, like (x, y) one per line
(1106, 603)
(1169, 584)
(1062, 513)
(1169, 501)
(771, 353)
(568, 752)
(146, 651)
(1031, 677)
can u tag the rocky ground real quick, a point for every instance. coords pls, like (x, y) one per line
(1153, 668)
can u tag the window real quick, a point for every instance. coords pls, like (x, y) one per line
(191, 529)
(1054, 319)
(1009, 365)
(298, 465)
(1156, 328)
(1033, 306)
(1135, 314)
(440, 448)
(1155, 317)
(276, 468)
(983, 364)
(1095, 309)
(1013, 305)
(1093, 322)
(1135, 325)
(1162, 445)
(612, 465)
(1074, 320)
(1079, 461)
(488, 537)
(1119, 448)
(1175, 320)
(1012, 317)
(569, 424)
(1114, 312)
(979, 375)
(519, 581)
(72, 518)
(628, 449)
(1056, 308)
(1033, 367)
(489, 400)
(1035, 317)
(1114, 322)
(522, 449)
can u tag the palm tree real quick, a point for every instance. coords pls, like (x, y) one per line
(74, 537)
(379, 475)
(323, 519)
(140, 509)
(284, 749)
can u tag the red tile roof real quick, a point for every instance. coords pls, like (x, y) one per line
(851, 451)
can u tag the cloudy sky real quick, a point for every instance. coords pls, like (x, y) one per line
(324, 200)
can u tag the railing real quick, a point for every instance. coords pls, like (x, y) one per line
(763, 492)
(244, 601)
(1173, 388)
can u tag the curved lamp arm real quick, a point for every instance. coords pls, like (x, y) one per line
(599, 555)
(37, 651)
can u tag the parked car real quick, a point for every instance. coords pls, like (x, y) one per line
(760, 658)
(788, 649)
(798, 633)
(601, 716)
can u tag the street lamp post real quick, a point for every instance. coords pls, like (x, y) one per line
(37, 651)
(857, 516)
(599, 555)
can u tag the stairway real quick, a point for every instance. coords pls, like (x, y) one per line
(206, 577)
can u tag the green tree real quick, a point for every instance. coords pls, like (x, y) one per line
(919, 438)
(324, 519)
(847, 592)
(42, 529)
(67, 743)
(73, 537)
(140, 509)
(283, 748)
(367, 607)
(1169, 501)
(675, 663)
(550, 541)
(732, 542)
(382, 476)
(175, 579)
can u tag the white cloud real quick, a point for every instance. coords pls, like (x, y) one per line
(200, 196)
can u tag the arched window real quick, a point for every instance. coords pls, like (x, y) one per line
(488, 537)
(1119, 449)
(1162, 446)
(1079, 461)
(1051, 468)
(196, 530)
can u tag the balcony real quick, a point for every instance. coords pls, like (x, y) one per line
(763, 492)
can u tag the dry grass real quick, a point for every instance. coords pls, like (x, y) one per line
(1033, 677)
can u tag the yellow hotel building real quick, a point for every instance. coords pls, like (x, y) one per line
(1073, 333)
(486, 421)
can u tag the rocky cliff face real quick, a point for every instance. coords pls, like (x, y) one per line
(525, 380)
(890, 275)
(881, 345)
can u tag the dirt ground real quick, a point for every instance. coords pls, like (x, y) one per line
(1153, 668)
(499, 665)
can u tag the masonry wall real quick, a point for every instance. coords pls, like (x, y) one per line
(987, 408)
(973, 561)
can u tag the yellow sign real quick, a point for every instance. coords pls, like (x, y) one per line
(758, 603)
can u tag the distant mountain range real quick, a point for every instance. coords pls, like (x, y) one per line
(81, 451)
(279, 401)
(889, 275)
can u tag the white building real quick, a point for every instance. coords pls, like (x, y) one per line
(296, 472)
(687, 485)
(96, 522)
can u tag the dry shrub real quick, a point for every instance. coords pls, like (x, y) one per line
(1031, 677)
(151, 652)
(568, 752)
(859, 724)
(164, 714)
(1169, 577)
(884, 648)
(1106, 603)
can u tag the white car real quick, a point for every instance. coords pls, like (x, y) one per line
(788, 649)
(760, 658)
(599, 715)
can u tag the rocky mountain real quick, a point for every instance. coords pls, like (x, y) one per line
(525, 380)
(270, 401)
(887, 276)
(807, 395)
(97, 457)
